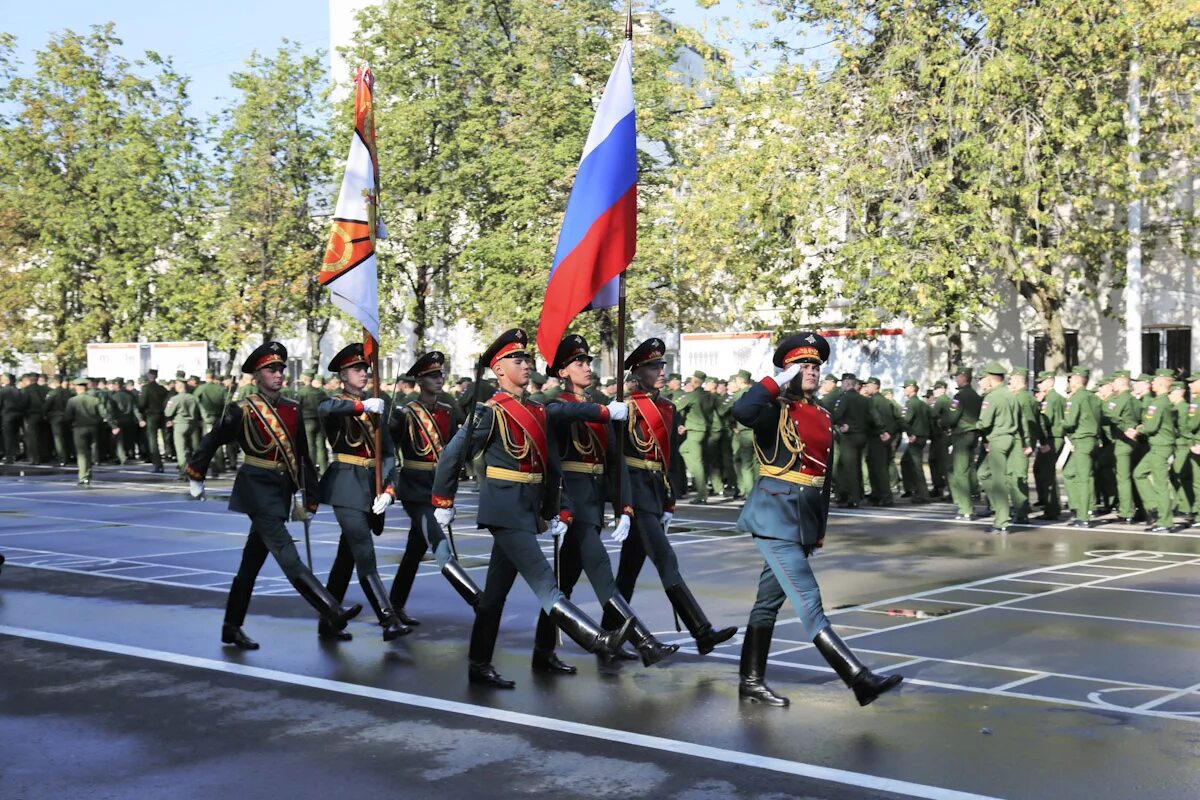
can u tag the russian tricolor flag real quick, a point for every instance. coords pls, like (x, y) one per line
(599, 232)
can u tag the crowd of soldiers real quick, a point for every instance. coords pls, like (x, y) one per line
(1129, 445)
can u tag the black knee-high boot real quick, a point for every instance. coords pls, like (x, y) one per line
(753, 685)
(697, 624)
(865, 684)
(650, 648)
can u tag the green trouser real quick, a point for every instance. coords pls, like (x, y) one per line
(1105, 459)
(1079, 477)
(1194, 471)
(86, 441)
(912, 468)
(126, 440)
(713, 461)
(939, 461)
(154, 426)
(692, 451)
(1181, 480)
(1018, 481)
(1153, 478)
(893, 468)
(850, 459)
(725, 448)
(217, 465)
(745, 462)
(1045, 477)
(962, 470)
(316, 443)
(1123, 471)
(33, 441)
(995, 477)
(878, 454)
(60, 433)
(182, 436)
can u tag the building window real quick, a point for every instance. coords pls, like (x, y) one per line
(1041, 344)
(1151, 350)
(1179, 350)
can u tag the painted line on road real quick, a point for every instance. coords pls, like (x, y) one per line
(722, 755)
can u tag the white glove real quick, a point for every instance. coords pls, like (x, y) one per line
(618, 411)
(196, 489)
(556, 527)
(666, 520)
(373, 404)
(785, 377)
(381, 503)
(444, 516)
(620, 531)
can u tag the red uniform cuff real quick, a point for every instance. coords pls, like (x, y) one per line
(194, 473)
(565, 517)
(391, 490)
(771, 386)
(627, 511)
(442, 502)
(604, 415)
(358, 407)
(669, 507)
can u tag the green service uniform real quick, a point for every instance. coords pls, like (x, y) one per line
(962, 423)
(1122, 412)
(1082, 418)
(884, 419)
(35, 417)
(721, 438)
(85, 413)
(1031, 428)
(939, 444)
(1189, 432)
(918, 424)
(153, 403)
(1000, 425)
(697, 412)
(125, 412)
(829, 403)
(745, 462)
(311, 398)
(210, 397)
(1153, 473)
(1181, 465)
(182, 413)
(60, 431)
(1045, 464)
(851, 418)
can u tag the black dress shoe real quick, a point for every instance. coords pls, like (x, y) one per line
(486, 675)
(324, 631)
(548, 661)
(411, 622)
(232, 634)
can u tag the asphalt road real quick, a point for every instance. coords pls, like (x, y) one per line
(1046, 663)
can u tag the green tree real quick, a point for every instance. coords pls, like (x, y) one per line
(99, 156)
(273, 157)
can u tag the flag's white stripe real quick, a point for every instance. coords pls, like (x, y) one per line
(358, 180)
(356, 293)
(616, 102)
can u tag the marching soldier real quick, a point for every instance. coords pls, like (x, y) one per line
(1189, 432)
(918, 425)
(1153, 472)
(85, 413)
(1181, 468)
(721, 437)
(1000, 426)
(939, 442)
(786, 515)
(852, 417)
(882, 422)
(651, 444)
(210, 401)
(1122, 413)
(1033, 436)
(962, 422)
(511, 433)
(696, 413)
(1045, 462)
(125, 411)
(745, 462)
(350, 421)
(311, 395)
(153, 403)
(35, 417)
(276, 466)
(56, 409)
(586, 452)
(421, 429)
(182, 415)
(1082, 419)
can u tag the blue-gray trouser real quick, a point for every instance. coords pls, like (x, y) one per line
(787, 575)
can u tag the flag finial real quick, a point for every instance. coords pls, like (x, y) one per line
(629, 20)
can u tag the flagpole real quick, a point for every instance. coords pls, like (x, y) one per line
(619, 367)
(374, 357)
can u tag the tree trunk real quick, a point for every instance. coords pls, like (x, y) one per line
(1049, 309)
(954, 347)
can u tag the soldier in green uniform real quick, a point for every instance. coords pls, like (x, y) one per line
(721, 461)
(153, 404)
(56, 409)
(696, 410)
(211, 398)
(745, 462)
(181, 414)
(962, 424)
(1082, 420)
(311, 396)
(851, 419)
(1045, 470)
(11, 416)
(1153, 472)
(880, 424)
(35, 418)
(1122, 412)
(537, 381)
(939, 442)
(1189, 431)
(128, 417)
(896, 436)
(1032, 435)
(918, 427)
(1181, 468)
(85, 413)
(1000, 427)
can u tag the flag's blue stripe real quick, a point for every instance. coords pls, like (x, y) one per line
(604, 177)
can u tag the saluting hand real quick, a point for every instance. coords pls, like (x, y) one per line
(785, 377)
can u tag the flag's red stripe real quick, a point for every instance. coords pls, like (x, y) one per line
(605, 251)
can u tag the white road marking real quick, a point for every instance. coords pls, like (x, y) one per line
(722, 755)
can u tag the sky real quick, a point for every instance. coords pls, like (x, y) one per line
(210, 39)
